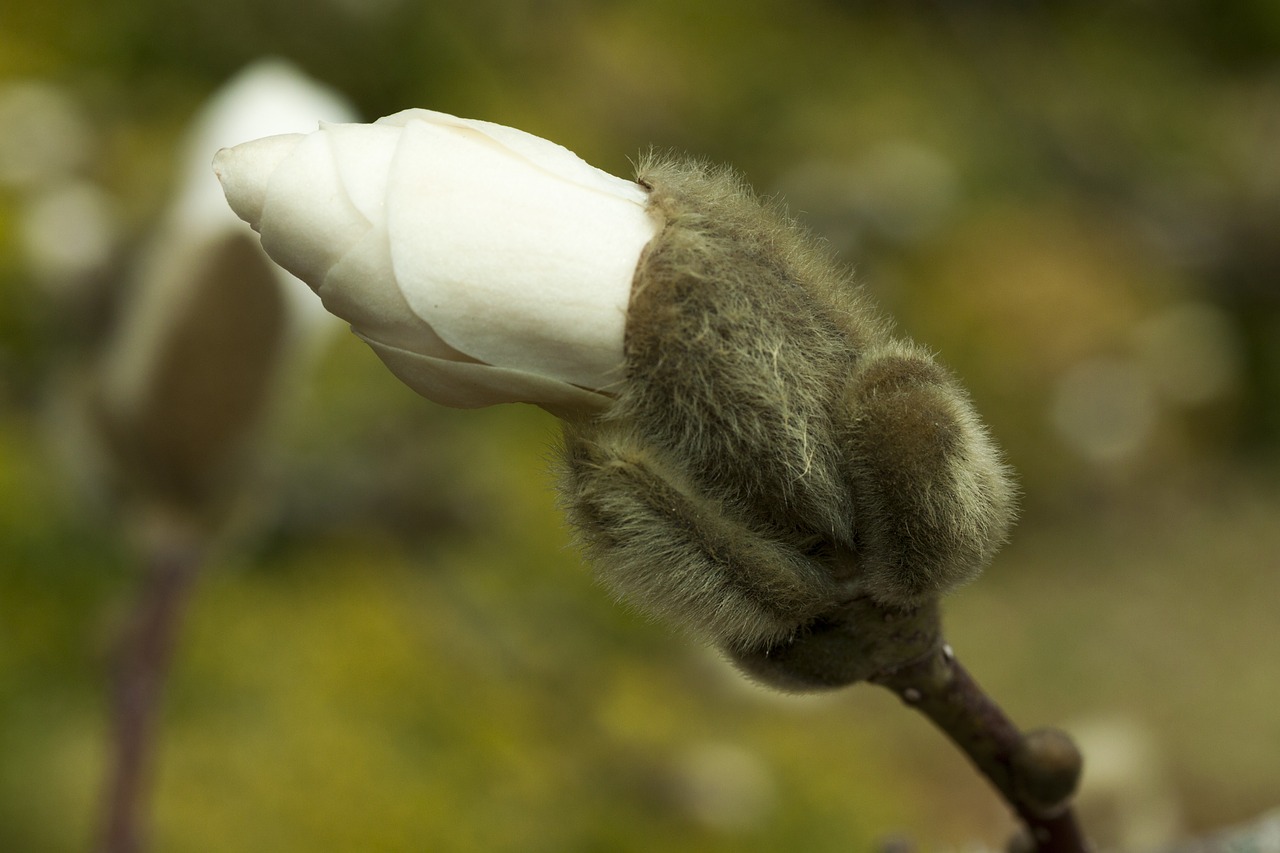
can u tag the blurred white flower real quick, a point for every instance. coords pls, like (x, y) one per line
(481, 263)
(177, 402)
(192, 366)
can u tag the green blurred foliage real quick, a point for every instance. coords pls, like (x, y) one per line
(399, 651)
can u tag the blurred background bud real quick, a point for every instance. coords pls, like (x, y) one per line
(210, 328)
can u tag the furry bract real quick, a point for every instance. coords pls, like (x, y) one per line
(775, 451)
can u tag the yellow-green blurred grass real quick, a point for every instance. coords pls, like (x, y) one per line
(473, 689)
(55, 581)
(382, 710)
(483, 696)
(346, 690)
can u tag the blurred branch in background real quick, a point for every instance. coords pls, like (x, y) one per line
(198, 365)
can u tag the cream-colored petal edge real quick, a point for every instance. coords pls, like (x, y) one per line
(543, 153)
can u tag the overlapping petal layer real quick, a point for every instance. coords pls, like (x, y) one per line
(481, 263)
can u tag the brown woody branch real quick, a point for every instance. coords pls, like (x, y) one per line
(1035, 772)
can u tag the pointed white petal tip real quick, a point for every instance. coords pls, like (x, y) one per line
(245, 172)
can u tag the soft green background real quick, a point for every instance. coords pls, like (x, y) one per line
(403, 653)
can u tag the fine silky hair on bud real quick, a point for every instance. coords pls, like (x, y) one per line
(775, 450)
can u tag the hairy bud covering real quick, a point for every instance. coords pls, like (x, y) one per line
(775, 451)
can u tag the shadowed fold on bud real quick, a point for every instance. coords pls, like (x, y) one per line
(748, 447)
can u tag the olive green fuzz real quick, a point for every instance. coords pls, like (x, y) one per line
(775, 451)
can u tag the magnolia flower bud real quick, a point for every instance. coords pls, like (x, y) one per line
(482, 264)
(210, 324)
(748, 447)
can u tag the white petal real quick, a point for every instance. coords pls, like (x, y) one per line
(266, 98)
(245, 172)
(362, 155)
(308, 220)
(361, 289)
(513, 265)
(467, 385)
(484, 265)
(543, 153)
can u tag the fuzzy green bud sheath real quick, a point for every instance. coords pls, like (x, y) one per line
(775, 452)
(748, 447)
